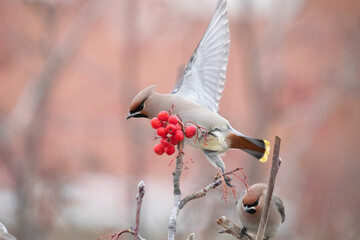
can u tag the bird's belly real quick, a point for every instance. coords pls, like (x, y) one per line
(213, 141)
(251, 222)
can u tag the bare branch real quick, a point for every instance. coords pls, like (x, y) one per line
(139, 199)
(214, 184)
(274, 170)
(177, 193)
(202, 193)
(232, 228)
(131, 230)
(180, 203)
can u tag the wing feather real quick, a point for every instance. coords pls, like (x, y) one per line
(204, 76)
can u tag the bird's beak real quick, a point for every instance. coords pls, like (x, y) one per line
(250, 210)
(246, 208)
(136, 115)
(130, 115)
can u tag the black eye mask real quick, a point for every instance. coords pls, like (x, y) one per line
(139, 108)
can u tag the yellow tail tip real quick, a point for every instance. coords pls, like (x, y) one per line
(266, 153)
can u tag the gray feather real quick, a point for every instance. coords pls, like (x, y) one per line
(280, 206)
(204, 76)
(215, 159)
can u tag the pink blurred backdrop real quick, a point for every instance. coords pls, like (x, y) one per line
(70, 162)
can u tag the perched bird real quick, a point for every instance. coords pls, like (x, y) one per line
(196, 96)
(4, 235)
(249, 209)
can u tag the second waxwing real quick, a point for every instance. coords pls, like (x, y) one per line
(249, 209)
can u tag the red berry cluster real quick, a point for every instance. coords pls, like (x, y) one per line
(169, 128)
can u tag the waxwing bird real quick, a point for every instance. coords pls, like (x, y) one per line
(4, 235)
(196, 96)
(249, 209)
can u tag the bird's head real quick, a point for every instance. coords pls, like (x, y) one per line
(254, 199)
(138, 104)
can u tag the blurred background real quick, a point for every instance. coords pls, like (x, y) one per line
(70, 162)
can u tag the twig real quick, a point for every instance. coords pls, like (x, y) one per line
(116, 236)
(139, 198)
(202, 193)
(214, 184)
(177, 193)
(131, 230)
(274, 170)
(232, 228)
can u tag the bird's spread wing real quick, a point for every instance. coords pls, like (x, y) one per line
(204, 76)
(280, 206)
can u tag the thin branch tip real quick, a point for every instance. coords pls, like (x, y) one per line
(141, 184)
(141, 188)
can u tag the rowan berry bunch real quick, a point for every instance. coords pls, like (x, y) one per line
(171, 131)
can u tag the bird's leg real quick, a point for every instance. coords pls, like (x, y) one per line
(226, 182)
(241, 179)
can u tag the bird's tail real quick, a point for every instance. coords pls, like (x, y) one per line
(256, 147)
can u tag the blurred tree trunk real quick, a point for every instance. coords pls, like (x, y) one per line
(23, 130)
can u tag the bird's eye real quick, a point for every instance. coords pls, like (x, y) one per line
(252, 205)
(139, 108)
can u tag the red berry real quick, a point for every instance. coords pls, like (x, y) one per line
(163, 115)
(173, 140)
(190, 131)
(156, 123)
(161, 131)
(179, 135)
(173, 120)
(163, 123)
(165, 142)
(169, 150)
(178, 126)
(159, 149)
(171, 128)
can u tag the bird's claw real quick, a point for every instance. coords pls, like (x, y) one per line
(228, 180)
